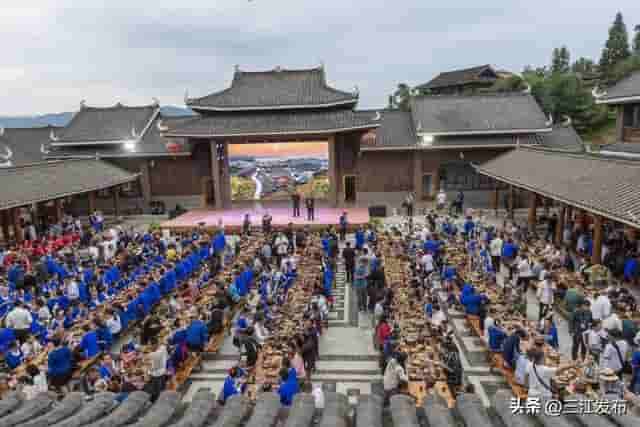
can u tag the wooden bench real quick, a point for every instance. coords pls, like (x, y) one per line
(474, 321)
(419, 390)
(497, 362)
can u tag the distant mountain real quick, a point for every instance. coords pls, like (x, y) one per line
(61, 119)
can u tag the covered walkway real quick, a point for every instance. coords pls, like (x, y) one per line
(44, 187)
(603, 188)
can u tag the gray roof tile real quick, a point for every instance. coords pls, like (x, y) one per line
(461, 77)
(396, 130)
(563, 138)
(597, 184)
(279, 89)
(117, 123)
(274, 123)
(24, 185)
(152, 144)
(477, 113)
(627, 87)
(622, 147)
(23, 144)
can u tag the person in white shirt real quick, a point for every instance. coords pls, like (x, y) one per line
(426, 262)
(615, 353)
(540, 375)
(601, 307)
(612, 322)
(524, 273)
(113, 322)
(19, 319)
(441, 199)
(73, 291)
(260, 332)
(495, 248)
(158, 368)
(545, 294)
(594, 339)
(438, 316)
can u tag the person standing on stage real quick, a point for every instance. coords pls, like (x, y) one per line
(343, 226)
(310, 203)
(295, 199)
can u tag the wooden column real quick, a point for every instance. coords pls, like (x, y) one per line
(18, 233)
(225, 177)
(598, 235)
(620, 123)
(533, 206)
(58, 210)
(417, 175)
(145, 185)
(4, 219)
(116, 200)
(332, 172)
(216, 176)
(92, 202)
(560, 225)
(511, 201)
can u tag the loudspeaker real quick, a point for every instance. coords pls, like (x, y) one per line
(378, 211)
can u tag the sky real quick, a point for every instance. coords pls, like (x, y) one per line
(57, 53)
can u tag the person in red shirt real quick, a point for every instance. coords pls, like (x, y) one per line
(383, 331)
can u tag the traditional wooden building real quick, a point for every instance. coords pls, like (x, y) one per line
(463, 81)
(625, 98)
(375, 156)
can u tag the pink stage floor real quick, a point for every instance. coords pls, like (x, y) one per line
(282, 216)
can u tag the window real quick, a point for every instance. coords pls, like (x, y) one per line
(627, 119)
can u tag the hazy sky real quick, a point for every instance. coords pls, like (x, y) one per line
(56, 53)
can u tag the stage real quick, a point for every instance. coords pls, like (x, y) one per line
(232, 218)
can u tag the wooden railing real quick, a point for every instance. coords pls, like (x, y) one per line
(631, 134)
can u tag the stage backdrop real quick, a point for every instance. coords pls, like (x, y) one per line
(273, 171)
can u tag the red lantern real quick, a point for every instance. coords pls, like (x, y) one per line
(368, 139)
(173, 147)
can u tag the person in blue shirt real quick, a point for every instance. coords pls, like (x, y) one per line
(7, 337)
(197, 335)
(288, 386)
(468, 227)
(631, 270)
(359, 238)
(14, 356)
(471, 300)
(59, 363)
(344, 224)
(235, 383)
(511, 348)
(496, 336)
(509, 250)
(550, 332)
(219, 242)
(89, 342)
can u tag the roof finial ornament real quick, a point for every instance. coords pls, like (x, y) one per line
(549, 122)
(278, 69)
(155, 101)
(44, 149)
(596, 92)
(133, 132)
(83, 104)
(377, 117)
(526, 90)
(419, 127)
(52, 135)
(186, 96)
(567, 121)
(356, 90)
(236, 68)
(7, 157)
(1, 130)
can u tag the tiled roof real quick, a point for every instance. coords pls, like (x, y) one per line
(629, 87)
(275, 123)
(460, 77)
(92, 125)
(152, 144)
(596, 184)
(276, 89)
(37, 182)
(563, 138)
(495, 113)
(486, 141)
(20, 146)
(396, 130)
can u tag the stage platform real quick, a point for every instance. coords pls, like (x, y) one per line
(232, 218)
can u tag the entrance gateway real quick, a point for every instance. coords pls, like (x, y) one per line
(277, 106)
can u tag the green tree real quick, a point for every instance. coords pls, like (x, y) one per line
(560, 59)
(624, 68)
(616, 48)
(636, 40)
(584, 66)
(512, 83)
(401, 98)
